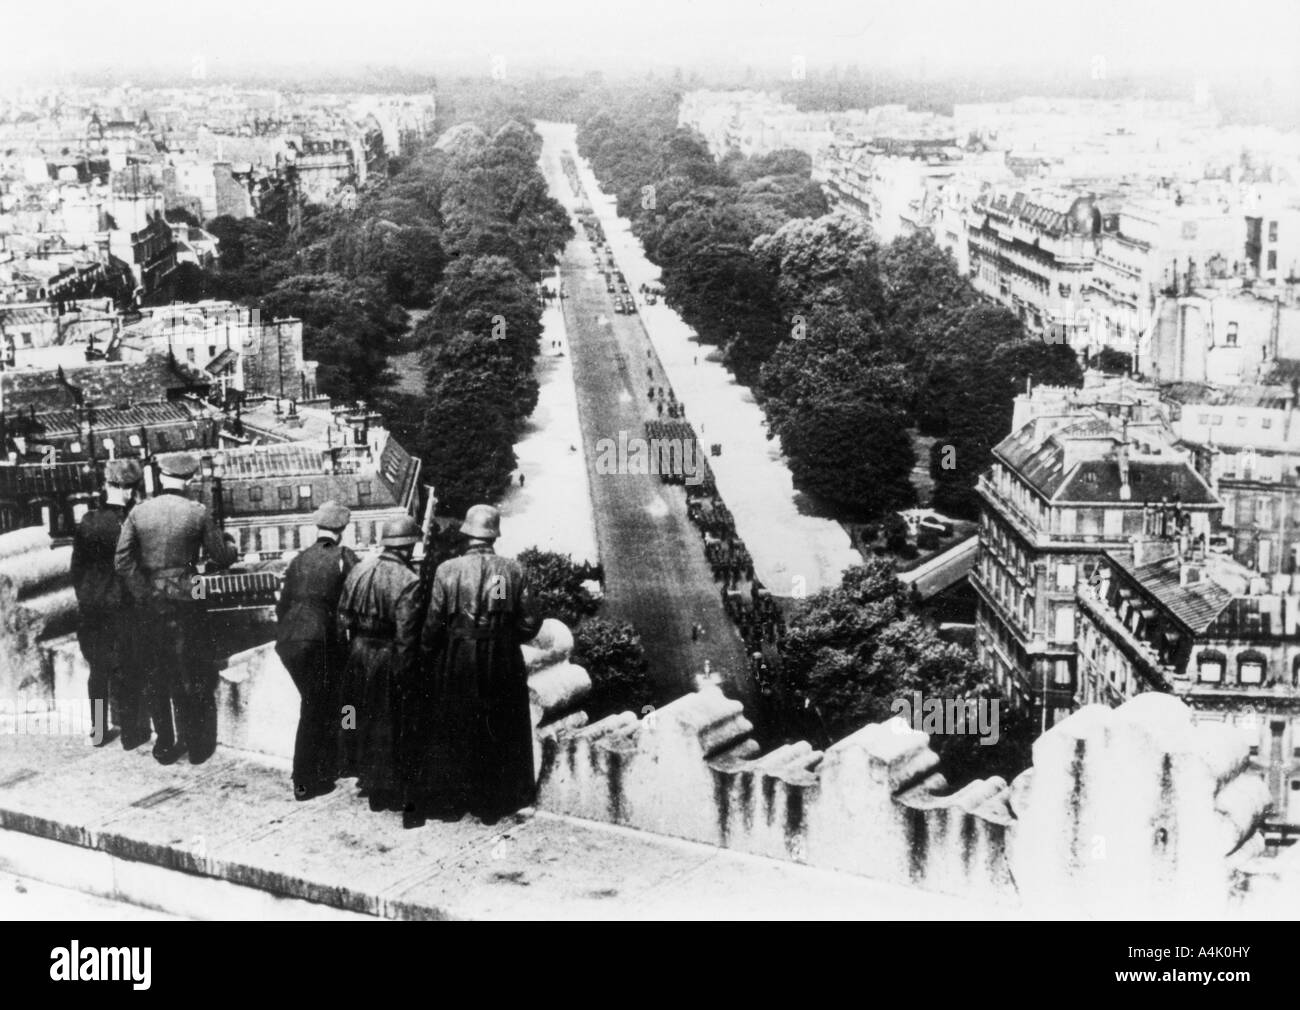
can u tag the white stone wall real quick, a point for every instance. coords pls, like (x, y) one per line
(1133, 811)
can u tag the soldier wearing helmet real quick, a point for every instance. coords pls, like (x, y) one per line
(470, 723)
(379, 610)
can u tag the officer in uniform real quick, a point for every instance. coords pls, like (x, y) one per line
(308, 642)
(157, 558)
(379, 610)
(104, 622)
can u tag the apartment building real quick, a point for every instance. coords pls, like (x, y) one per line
(1062, 489)
(1177, 617)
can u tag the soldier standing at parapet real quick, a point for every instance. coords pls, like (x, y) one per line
(473, 732)
(157, 557)
(105, 625)
(379, 610)
(310, 646)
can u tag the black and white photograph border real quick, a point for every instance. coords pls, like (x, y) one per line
(790, 461)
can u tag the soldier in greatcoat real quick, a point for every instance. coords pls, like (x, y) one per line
(379, 610)
(309, 644)
(471, 727)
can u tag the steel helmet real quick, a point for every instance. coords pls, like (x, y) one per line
(483, 522)
(401, 532)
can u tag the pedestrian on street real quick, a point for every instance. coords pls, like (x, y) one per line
(157, 558)
(379, 610)
(308, 642)
(471, 726)
(105, 623)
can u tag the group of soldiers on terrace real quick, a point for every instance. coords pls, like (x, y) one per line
(420, 693)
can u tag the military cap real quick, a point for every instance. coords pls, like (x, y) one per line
(122, 472)
(331, 516)
(400, 532)
(483, 522)
(179, 464)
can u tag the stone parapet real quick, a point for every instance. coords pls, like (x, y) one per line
(257, 703)
(36, 603)
(1134, 811)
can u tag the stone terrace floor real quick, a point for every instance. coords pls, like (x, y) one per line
(227, 840)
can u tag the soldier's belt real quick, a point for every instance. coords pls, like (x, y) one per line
(174, 583)
(375, 631)
(472, 632)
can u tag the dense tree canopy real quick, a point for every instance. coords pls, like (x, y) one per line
(852, 651)
(347, 326)
(811, 309)
(612, 654)
(557, 586)
(473, 206)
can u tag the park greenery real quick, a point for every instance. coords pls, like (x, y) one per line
(851, 652)
(848, 343)
(462, 228)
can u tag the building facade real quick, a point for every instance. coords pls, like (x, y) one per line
(1060, 491)
(1179, 618)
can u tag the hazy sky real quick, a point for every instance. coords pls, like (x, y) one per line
(1245, 38)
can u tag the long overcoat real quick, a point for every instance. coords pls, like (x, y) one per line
(470, 727)
(379, 610)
